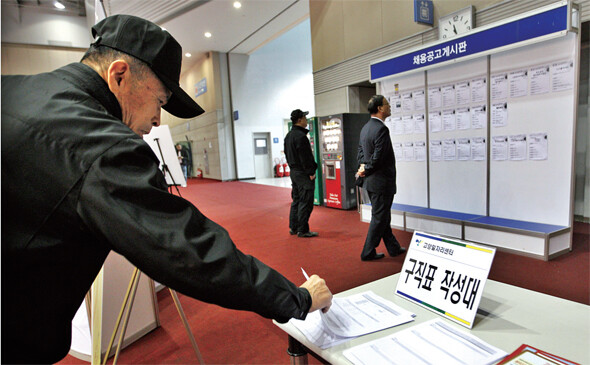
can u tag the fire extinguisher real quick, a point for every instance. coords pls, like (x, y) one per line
(199, 174)
(279, 170)
(286, 168)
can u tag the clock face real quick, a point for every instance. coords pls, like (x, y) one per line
(454, 24)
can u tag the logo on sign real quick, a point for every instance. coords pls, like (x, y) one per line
(423, 11)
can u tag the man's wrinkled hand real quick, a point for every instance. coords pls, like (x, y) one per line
(321, 297)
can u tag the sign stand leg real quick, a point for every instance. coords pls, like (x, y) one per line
(96, 305)
(186, 325)
(132, 283)
(125, 314)
(130, 299)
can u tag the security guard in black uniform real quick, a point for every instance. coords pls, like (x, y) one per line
(303, 168)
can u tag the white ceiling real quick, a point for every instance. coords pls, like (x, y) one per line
(242, 30)
(234, 30)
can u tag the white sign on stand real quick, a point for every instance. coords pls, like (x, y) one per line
(446, 276)
(160, 140)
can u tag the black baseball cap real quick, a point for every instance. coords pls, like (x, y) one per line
(153, 45)
(297, 114)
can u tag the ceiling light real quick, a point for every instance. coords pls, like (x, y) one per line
(188, 54)
(237, 4)
(208, 34)
(59, 5)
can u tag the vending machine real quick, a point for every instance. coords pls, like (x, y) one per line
(339, 138)
(314, 140)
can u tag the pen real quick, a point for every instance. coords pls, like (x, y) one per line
(305, 274)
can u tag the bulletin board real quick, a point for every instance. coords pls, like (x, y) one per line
(457, 115)
(407, 128)
(532, 138)
(500, 117)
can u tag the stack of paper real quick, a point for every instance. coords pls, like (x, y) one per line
(432, 342)
(350, 317)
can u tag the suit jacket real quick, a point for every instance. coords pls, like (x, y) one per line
(376, 152)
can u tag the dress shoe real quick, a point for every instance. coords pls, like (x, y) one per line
(398, 252)
(377, 256)
(307, 234)
(292, 232)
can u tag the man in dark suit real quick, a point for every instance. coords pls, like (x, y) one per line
(377, 169)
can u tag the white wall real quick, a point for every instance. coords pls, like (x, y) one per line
(266, 87)
(29, 26)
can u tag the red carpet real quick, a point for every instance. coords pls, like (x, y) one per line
(256, 217)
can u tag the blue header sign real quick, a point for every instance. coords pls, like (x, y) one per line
(482, 42)
(424, 12)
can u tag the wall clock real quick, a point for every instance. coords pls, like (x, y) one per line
(458, 22)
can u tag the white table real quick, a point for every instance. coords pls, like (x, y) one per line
(508, 316)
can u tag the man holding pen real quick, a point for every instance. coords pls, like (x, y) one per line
(89, 184)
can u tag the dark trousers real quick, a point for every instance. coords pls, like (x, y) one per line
(380, 227)
(302, 205)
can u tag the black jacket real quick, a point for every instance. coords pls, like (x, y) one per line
(298, 151)
(77, 183)
(184, 155)
(376, 152)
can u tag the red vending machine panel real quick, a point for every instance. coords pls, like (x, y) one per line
(339, 136)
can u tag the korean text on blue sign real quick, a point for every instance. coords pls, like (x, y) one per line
(481, 42)
(446, 51)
